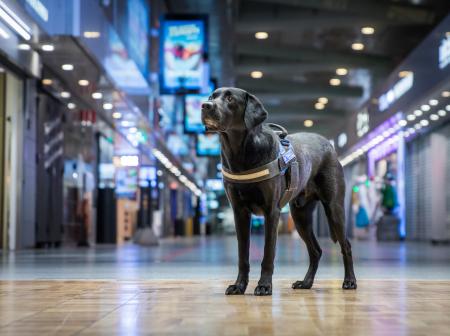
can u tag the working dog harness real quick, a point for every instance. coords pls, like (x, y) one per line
(285, 164)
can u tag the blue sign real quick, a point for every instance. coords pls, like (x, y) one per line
(192, 113)
(183, 52)
(208, 144)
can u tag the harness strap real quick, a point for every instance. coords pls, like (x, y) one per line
(285, 164)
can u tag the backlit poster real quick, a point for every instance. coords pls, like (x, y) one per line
(183, 53)
(208, 144)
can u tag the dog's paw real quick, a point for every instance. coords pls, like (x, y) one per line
(302, 284)
(263, 290)
(235, 290)
(349, 284)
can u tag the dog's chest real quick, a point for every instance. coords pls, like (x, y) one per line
(253, 197)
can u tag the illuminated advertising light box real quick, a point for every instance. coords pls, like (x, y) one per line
(123, 71)
(214, 184)
(178, 144)
(106, 171)
(126, 182)
(208, 144)
(193, 113)
(183, 54)
(147, 173)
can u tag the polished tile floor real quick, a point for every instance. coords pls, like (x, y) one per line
(177, 289)
(216, 257)
(195, 307)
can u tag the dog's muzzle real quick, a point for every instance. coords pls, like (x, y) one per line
(208, 117)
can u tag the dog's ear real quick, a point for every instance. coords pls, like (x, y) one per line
(255, 113)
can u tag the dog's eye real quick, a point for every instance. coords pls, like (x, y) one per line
(210, 98)
(229, 99)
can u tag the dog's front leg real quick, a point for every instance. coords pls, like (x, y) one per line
(242, 222)
(270, 231)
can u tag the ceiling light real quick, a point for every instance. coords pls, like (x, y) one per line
(433, 102)
(83, 82)
(125, 123)
(65, 94)
(424, 122)
(335, 81)
(442, 113)
(71, 106)
(367, 30)
(418, 113)
(404, 73)
(447, 107)
(417, 126)
(261, 35)
(434, 117)
(108, 106)
(97, 95)
(47, 81)
(319, 106)
(67, 67)
(341, 71)
(445, 94)
(410, 117)
(402, 123)
(323, 100)
(91, 34)
(132, 130)
(308, 123)
(117, 115)
(256, 74)
(425, 107)
(47, 47)
(357, 46)
(24, 46)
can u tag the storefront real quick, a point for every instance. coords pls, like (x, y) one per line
(395, 152)
(18, 70)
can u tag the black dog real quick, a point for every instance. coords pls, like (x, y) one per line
(248, 144)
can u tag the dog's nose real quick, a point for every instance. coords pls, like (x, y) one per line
(207, 106)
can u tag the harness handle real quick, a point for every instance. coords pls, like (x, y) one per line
(281, 132)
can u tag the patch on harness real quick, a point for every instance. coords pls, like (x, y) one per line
(287, 154)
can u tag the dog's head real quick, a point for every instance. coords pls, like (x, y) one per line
(232, 109)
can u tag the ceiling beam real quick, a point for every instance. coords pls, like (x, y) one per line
(295, 124)
(244, 67)
(304, 22)
(301, 54)
(302, 113)
(297, 91)
(392, 13)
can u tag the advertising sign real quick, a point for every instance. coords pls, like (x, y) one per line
(183, 53)
(193, 114)
(127, 182)
(208, 144)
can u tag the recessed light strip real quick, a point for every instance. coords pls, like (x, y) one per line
(14, 21)
(402, 128)
(174, 170)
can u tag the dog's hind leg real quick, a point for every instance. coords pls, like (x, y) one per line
(334, 209)
(335, 216)
(303, 219)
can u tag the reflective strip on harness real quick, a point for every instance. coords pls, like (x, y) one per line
(245, 177)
